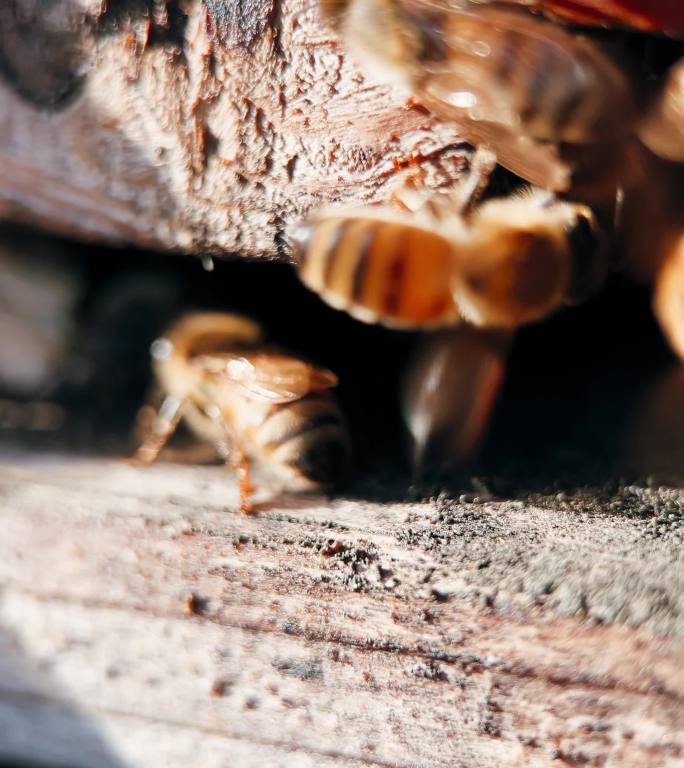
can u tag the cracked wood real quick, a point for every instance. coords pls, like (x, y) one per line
(143, 621)
(199, 127)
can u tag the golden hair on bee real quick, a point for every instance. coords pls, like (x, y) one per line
(251, 401)
(662, 130)
(512, 261)
(524, 257)
(380, 266)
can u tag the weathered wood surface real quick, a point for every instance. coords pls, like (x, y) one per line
(196, 126)
(534, 632)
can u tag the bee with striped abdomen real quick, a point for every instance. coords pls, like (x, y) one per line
(507, 262)
(249, 400)
(514, 82)
(511, 261)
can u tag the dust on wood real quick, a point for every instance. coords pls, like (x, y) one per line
(332, 632)
(241, 23)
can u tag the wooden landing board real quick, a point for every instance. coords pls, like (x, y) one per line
(144, 622)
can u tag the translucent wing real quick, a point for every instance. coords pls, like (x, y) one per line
(511, 69)
(266, 375)
(450, 393)
(536, 162)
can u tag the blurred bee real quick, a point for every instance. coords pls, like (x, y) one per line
(509, 262)
(250, 401)
(552, 108)
(512, 261)
(662, 129)
(449, 394)
(512, 81)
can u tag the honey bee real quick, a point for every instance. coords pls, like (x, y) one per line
(512, 261)
(249, 400)
(512, 81)
(551, 107)
(508, 262)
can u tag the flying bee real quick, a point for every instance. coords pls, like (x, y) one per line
(251, 401)
(514, 82)
(439, 263)
(512, 261)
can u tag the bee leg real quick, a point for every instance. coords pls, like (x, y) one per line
(237, 460)
(241, 464)
(230, 450)
(462, 199)
(160, 430)
(482, 166)
(409, 198)
(450, 392)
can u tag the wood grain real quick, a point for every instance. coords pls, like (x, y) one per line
(210, 134)
(144, 621)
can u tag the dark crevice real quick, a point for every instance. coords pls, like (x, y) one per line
(43, 51)
(167, 19)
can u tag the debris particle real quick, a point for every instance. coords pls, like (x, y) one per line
(333, 548)
(302, 669)
(442, 591)
(221, 686)
(429, 670)
(196, 605)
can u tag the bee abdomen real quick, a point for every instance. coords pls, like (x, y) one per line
(306, 441)
(380, 271)
(561, 88)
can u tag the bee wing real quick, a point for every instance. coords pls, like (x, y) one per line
(517, 71)
(537, 162)
(268, 376)
(450, 392)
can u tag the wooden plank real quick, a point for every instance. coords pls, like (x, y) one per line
(189, 138)
(377, 650)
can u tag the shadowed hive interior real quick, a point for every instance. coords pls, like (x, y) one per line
(484, 596)
(575, 387)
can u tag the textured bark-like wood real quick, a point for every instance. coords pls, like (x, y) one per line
(201, 126)
(143, 621)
